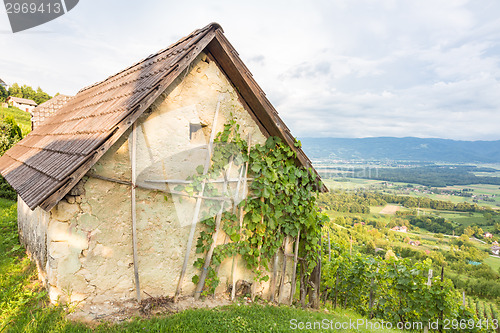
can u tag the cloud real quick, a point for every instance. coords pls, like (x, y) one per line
(343, 68)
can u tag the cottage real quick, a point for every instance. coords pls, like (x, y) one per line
(495, 250)
(487, 235)
(21, 103)
(48, 109)
(98, 208)
(3, 84)
(400, 228)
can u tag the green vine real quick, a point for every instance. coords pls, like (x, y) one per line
(281, 200)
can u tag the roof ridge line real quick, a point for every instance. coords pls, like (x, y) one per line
(191, 35)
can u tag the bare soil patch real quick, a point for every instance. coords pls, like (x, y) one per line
(390, 209)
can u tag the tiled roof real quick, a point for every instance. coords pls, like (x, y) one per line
(22, 100)
(48, 109)
(44, 166)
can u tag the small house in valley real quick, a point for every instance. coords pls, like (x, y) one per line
(3, 84)
(400, 228)
(22, 103)
(100, 204)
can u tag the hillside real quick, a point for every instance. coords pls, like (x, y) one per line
(402, 149)
(22, 118)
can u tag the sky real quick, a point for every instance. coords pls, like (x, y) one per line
(332, 68)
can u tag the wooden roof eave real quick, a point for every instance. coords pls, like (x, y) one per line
(255, 98)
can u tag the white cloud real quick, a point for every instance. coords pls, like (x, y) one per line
(351, 68)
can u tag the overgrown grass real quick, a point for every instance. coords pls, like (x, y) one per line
(24, 306)
(22, 118)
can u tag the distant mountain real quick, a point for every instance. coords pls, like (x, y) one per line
(403, 149)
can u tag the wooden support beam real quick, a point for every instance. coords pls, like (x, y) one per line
(198, 201)
(125, 182)
(294, 271)
(283, 273)
(179, 181)
(208, 257)
(245, 184)
(133, 147)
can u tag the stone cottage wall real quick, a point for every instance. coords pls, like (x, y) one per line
(89, 233)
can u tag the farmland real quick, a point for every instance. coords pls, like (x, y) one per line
(483, 194)
(420, 239)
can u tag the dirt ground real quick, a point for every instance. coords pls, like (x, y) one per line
(390, 209)
(115, 312)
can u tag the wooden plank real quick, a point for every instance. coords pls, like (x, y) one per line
(198, 201)
(329, 247)
(133, 148)
(274, 277)
(208, 256)
(429, 283)
(283, 273)
(214, 181)
(253, 290)
(125, 182)
(241, 216)
(294, 271)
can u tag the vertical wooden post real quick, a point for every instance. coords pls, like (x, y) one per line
(283, 272)
(254, 284)
(494, 316)
(233, 268)
(208, 257)
(441, 315)
(133, 153)
(329, 248)
(429, 283)
(336, 289)
(198, 202)
(274, 277)
(463, 299)
(294, 271)
(303, 287)
(372, 295)
(350, 246)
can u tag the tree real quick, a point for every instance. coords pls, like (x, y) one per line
(28, 92)
(3, 94)
(469, 231)
(15, 90)
(10, 133)
(41, 96)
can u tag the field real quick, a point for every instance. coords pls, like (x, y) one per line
(489, 192)
(24, 306)
(493, 262)
(22, 118)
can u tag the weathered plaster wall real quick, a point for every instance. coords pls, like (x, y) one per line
(32, 227)
(89, 237)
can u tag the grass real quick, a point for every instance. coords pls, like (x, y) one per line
(493, 262)
(24, 306)
(22, 118)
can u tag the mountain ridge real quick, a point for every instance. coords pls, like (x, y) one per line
(403, 149)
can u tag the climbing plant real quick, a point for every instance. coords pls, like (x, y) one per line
(281, 201)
